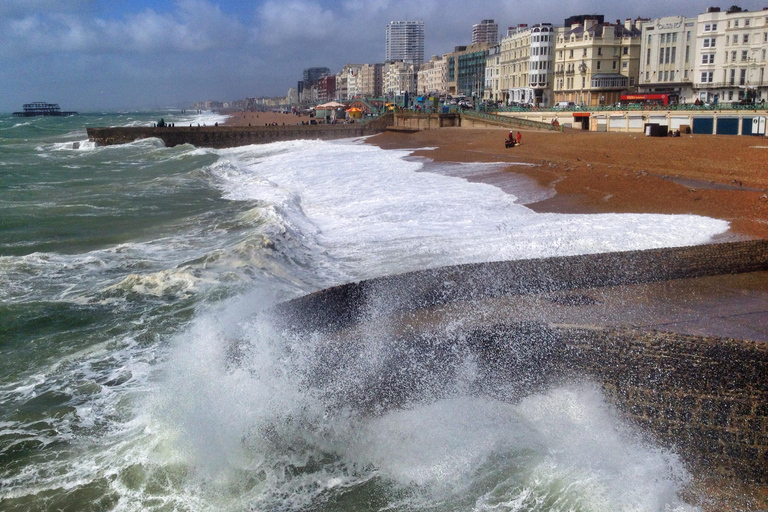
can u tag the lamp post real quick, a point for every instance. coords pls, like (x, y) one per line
(583, 71)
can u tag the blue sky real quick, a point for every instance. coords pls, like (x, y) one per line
(121, 54)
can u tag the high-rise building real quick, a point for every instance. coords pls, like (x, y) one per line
(487, 31)
(312, 75)
(405, 41)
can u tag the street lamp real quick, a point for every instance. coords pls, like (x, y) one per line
(583, 71)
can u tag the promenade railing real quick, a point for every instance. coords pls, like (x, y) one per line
(758, 107)
(509, 120)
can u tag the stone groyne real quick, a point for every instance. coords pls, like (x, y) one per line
(704, 397)
(233, 136)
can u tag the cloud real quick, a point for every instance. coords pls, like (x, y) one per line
(297, 20)
(195, 26)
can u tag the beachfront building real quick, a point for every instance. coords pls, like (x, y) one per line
(326, 88)
(596, 62)
(432, 76)
(399, 78)
(347, 83)
(292, 98)
(667, 56)
(487, 31)
(405, 41)
(311, 76)
(526, 62)
(492, 90)
(466, 70)
(730, 56)
(370, 79)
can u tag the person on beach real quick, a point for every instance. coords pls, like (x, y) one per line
(519, 137)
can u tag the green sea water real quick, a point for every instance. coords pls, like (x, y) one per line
(138, 370)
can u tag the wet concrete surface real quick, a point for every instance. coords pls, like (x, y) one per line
(729, 306)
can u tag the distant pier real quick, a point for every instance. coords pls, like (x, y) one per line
(40, 108)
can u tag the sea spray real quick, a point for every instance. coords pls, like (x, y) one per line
(138, 374)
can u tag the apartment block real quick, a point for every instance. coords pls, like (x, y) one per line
(596, 62)
(399, 78)
(466, 70)
(432, 77)
(668, 55)
(370, 79)
(731, 60)
(405, 41)
(487, 31)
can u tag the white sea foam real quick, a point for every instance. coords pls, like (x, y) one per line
(237, 397)
(376, 215)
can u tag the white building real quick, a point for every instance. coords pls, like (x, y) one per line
(405, 41)
(487, 31)
(526, 65)
(399, 77)
(432, 76)
(730, 63)
(667, 57)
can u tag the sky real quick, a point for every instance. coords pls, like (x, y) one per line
(106, 55)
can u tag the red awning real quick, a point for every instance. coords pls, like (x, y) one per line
(581, 114)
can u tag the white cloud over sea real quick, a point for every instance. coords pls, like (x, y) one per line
(150, 53)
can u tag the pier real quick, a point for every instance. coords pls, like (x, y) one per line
(40, 108)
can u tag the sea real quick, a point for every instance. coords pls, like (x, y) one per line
(128, 273)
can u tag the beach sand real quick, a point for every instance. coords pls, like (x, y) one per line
(724, 177)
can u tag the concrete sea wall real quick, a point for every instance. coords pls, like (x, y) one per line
(704, 397)
(233, 136)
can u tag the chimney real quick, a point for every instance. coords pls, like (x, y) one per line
(628, 23)
(589, 23)
(713, 9)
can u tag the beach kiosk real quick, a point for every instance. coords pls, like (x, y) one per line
(330, 111)
(355, 113)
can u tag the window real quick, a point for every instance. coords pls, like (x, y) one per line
(706, 76)
(735, 23)
(707, 28)
(708, 58)
(666, 76)
(687, 53)
(733, 56)
(674, 37)
(746, 22)
(666, 58)
(743, 76)
(744, 55)
(674, 51)
(649, 39)
(733, 77)
(746, 39)
(626, 49)
(598, 64)
(647, 76)
(585, 53)
(599, 51)
(709, 42)
(661, 55)
(648, 57)
(730, 95)
(671, 76)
